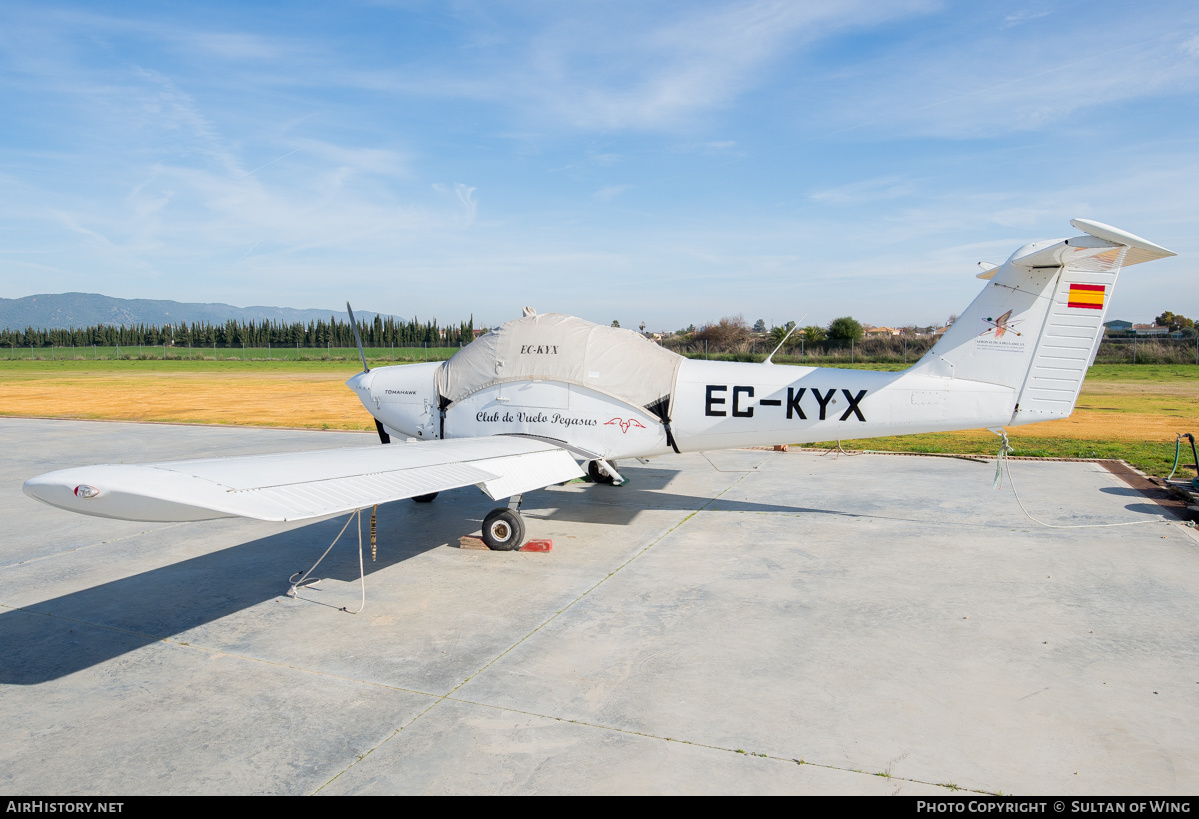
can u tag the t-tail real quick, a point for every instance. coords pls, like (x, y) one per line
(1038, 324)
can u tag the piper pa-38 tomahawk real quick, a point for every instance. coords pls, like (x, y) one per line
(518, 409)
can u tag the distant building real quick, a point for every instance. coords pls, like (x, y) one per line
(1150, 330)
(878, 332)
(1117, 326)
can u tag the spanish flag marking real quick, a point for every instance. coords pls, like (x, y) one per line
(1089, 296)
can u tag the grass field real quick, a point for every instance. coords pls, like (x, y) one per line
(375, 355)
(1125, 411)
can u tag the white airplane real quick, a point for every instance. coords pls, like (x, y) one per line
(519, 407)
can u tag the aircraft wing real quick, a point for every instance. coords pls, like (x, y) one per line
(300, 485)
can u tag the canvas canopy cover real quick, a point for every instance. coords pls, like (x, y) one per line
(557, 347)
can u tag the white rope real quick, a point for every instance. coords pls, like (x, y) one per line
(718, 469)
(1004, 450)
(840, 450)
(1004, 464)
(304, 582)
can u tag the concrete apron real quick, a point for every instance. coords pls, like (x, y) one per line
(892, 623)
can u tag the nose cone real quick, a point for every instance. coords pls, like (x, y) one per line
(361, 382)
(361, 385)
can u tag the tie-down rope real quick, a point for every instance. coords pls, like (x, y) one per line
(1004, 464)
(304, 582)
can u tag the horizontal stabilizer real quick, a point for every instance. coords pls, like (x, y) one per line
(1066, 252)
(300, 485)
(1139, 250)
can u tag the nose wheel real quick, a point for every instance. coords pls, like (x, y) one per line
(597, 473)
(503, 530)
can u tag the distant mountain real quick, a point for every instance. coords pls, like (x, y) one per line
(54, 311)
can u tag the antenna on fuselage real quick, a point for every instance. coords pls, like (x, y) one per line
(794, 327)
(357, 337)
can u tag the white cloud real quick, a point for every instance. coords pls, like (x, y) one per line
(869, 190)
(610, 192)
(722, 147)
(654, 74)
(1023, 17)
(993, 85)
(464, 196)
(625, 65)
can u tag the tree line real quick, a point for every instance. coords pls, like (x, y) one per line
(732, 331)
(381, 332)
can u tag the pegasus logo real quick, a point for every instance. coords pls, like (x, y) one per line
(624, 425)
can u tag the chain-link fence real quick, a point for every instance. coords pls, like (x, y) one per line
(835, 352)
(909, 349)
(1148, 351)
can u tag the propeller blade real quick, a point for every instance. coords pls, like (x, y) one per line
(357, 337)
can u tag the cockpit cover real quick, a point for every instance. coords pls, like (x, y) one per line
(557, 347)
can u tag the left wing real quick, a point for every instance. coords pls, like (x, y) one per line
(299, 485)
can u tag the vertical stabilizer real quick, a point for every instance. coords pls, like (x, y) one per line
(1037, 324)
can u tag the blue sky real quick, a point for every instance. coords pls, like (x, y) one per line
(659, 162)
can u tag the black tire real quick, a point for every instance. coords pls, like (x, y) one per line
(598, 474)
(425, 498)
(503, 530)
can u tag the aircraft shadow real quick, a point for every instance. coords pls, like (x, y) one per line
(53, 638)
(620, 505)
(50, 639)
(63, 635)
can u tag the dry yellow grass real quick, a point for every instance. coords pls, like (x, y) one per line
(315, 400)
(1126, 411)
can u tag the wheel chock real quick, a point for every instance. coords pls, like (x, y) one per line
(472, 542)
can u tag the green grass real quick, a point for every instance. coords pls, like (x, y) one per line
(380, 355)
(1149, 373)
(1152, 457)
(339, 361)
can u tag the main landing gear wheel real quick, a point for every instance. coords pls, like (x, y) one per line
(425, 498)
(598, 474)
(503, 530)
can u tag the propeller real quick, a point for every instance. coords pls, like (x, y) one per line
(357, 338)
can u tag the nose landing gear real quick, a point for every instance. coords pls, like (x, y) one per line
(598, 473)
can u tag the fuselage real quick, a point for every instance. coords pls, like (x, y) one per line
(716, 405)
